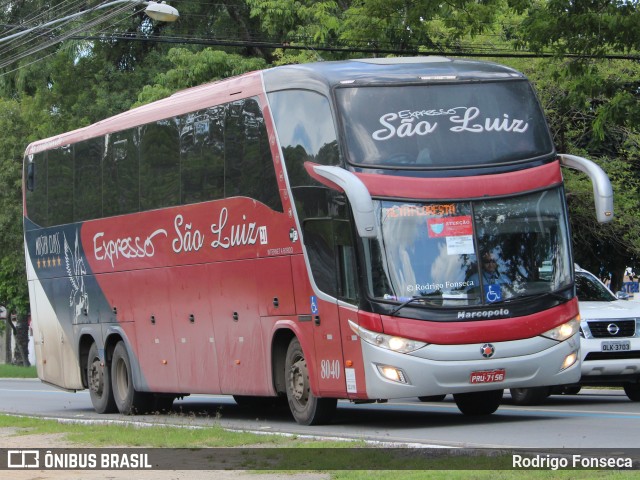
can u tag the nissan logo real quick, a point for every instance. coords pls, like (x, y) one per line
(613, 329)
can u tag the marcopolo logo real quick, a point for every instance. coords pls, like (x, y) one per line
(501, 312)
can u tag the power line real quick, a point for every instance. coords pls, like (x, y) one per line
(463, 51)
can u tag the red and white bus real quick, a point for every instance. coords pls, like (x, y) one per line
(362, 230)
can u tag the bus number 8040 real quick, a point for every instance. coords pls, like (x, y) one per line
(330, 369)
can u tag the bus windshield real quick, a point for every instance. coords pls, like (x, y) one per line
(443, 126)
(469, 253)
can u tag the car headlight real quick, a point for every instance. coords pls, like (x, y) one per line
(564, 331)
(396, 344)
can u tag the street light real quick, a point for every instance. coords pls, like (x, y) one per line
(157, 11)
(161, 12)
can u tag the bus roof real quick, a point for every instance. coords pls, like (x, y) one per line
(321, 76)
(385, 70)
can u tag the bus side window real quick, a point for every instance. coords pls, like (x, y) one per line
(347, 267)
(37, 197)
(59, 180)
(202, 155)
(318, 239)
(120, 173)
(159, 164)
(306, 131)
(87, 197)
(249, 169)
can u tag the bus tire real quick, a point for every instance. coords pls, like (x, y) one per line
(127, 398)
(529, 396)
(633, 391)
(99, 383)
(307, 409)
(478, 403)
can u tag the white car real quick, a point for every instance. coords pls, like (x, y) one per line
(609, 343)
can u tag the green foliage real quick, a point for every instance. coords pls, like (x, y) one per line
(195, 68)
(13, 282)
(581, 27)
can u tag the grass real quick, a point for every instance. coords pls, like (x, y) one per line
(15, 371)
(273, 453)
(269, 453)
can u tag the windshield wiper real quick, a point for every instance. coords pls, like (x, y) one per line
(404, 304)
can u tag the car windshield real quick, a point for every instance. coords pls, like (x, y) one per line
(442, 126)
(469, 253)
(589, 289)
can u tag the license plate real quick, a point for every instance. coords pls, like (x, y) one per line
(487, 376)
(619, 346)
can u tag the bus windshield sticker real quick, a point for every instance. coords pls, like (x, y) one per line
(460, 245)
(449, 226)
(421, 210)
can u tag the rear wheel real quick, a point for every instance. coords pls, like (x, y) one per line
(478, 403)
(127, 398)
(633, 391)
(529, 396)
(99, 383)
(307, 409)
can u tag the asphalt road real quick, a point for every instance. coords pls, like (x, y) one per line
(592, 419)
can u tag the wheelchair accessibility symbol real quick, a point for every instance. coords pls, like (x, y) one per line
(314, 305)
(492, 293)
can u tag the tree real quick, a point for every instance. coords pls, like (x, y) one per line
(13, 280)
(192, 69)
(593, 106)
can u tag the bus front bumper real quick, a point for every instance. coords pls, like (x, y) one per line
(444, 369)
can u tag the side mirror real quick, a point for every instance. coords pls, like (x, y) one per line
(602, 191)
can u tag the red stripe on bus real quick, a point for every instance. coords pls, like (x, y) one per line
(463, 187)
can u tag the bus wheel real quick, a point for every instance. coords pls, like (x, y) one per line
(633, 391)
(529, 396)
(99, 382)
(128, 399)
(478, 403)
(307, 409)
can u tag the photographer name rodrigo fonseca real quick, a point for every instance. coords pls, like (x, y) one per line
(577, 461)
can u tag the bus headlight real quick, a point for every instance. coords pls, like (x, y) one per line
(564, 331)
(392, 373)
(569, 360)
(396, 344)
